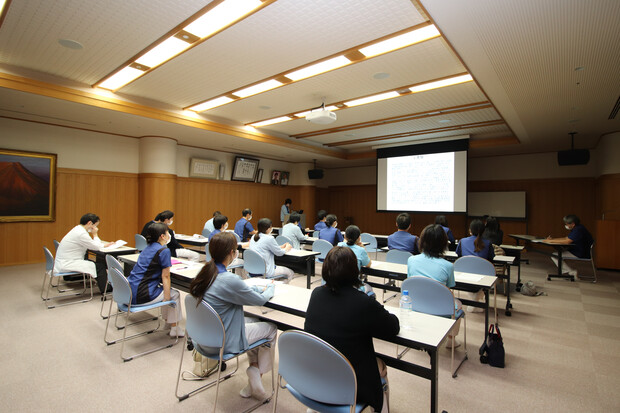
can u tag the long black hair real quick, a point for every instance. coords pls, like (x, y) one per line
(477, 227)
(154, 231)
(263, 225)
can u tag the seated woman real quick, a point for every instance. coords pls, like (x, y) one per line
(492, 231)
(348, 319)
(267, 247)
(433, 243)
(441, 220)
(153, 269)
(227, 294)
(331, 233)
(475, 244)
(353, 240)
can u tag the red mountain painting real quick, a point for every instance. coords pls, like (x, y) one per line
(21, 191)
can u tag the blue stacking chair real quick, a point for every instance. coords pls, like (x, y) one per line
(396, 257)
(322, 247)
(432, 297)
(254, 264)
(372, 243)
(316, 374)
(593, 278)
(474, 265)
(122, 297)
(282, 239)
(206, 330)
(111, 262)
(49, 272)
(140, 242)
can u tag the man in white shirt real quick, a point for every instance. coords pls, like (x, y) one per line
(72, 250)
(209, 224)
(293, 232)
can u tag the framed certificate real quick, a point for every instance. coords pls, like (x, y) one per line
(244, 169)
(202, 168)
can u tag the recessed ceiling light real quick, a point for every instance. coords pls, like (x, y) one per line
(381, 75)
(70, 44)
(264, 107)
(445, 121)
(579, 68)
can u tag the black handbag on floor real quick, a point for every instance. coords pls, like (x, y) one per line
(493, 352)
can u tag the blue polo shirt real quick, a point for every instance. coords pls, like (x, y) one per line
(243, 229)
(320, 225)
(436, 268)
(360, 253)
(403, 241)
(145, 278)
(332, 235)
(212, 234)
(582, 239)
(449, 234)
(466, 247)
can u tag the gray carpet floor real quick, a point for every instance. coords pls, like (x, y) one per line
(562, 355)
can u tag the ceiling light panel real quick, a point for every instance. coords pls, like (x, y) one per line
(121, 78)
(318, 68)
(221, 16)
(213, 103)
(162, 52)
(441, 83)
(259, 88)
(372, 99)
(404, 40)
(301, 20)
(270, 121)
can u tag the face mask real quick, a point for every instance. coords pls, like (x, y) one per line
(168, 240)
(250, 218)
(170, 223)
(567, 227)
(236, 255)
(225, 227)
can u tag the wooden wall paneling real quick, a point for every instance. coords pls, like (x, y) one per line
(607, 241)
(608, 197)
(112, 196)
(157, 192)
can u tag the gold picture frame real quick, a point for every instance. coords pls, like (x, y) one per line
(27, 186)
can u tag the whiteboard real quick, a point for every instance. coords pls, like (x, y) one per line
(496, 204)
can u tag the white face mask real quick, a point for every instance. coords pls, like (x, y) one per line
(236, 255)
(225, 227)
(567, 227)
(170, 223)
(168, 240)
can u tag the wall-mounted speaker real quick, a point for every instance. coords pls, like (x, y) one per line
(573, 157)
(315, 174)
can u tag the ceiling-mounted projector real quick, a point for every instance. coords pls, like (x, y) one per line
(321, 116)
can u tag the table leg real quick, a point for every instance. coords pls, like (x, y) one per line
(309, 272)
(486, 316)
(508, 304)
(434, 381)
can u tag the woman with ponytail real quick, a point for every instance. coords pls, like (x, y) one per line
(227, 294)
(150, 278)
(475, 244)
(267, 247)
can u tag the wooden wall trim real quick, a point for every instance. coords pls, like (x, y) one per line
(96, 172)
(156, 175)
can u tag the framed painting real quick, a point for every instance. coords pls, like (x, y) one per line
(202, 168)
(27, 186)
(284, 175)
(275, 177)
(244, 169)
(259, 176)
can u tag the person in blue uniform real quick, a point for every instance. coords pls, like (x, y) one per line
(176, 249)
(227, 294)
(153, 269)
(331, 233)
(243, 228)
(321, 215)
(579, 240)
(402, 240)
(475, 244)
(285, 210)
(220, 224)
(441, 220)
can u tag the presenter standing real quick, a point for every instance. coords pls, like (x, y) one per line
(285, 210)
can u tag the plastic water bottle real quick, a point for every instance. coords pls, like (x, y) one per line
(406, 308)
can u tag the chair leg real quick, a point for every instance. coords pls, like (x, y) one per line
(48, 298)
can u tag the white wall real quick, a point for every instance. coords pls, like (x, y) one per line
(75, 148)
(608, 154)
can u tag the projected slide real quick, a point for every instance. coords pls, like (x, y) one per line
(421, 182)
(423, 178)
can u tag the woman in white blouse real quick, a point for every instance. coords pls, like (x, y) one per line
(267, 247)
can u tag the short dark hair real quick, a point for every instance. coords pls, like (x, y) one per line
(321, 214)
(403, 220)
(90, 217)
(340, 269)
(154, 231)
(331, 218)
(246, 212)
(352, 233)
(571, 218)
(288, 201)
(219, 221)
(216, 213)
(441, 220)
(294, 217)
(164, 215)
(433, 240)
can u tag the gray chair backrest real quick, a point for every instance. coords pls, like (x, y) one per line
(316, 369)
(429, 296)
(398, 256)
(474, 265)
(203, 324)
(112, 262)
(140, 242)
(282, 239)
(372, 241)
(254, 263)
(122, 291)
(56, 244)
(49, 260)
(322, 246)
